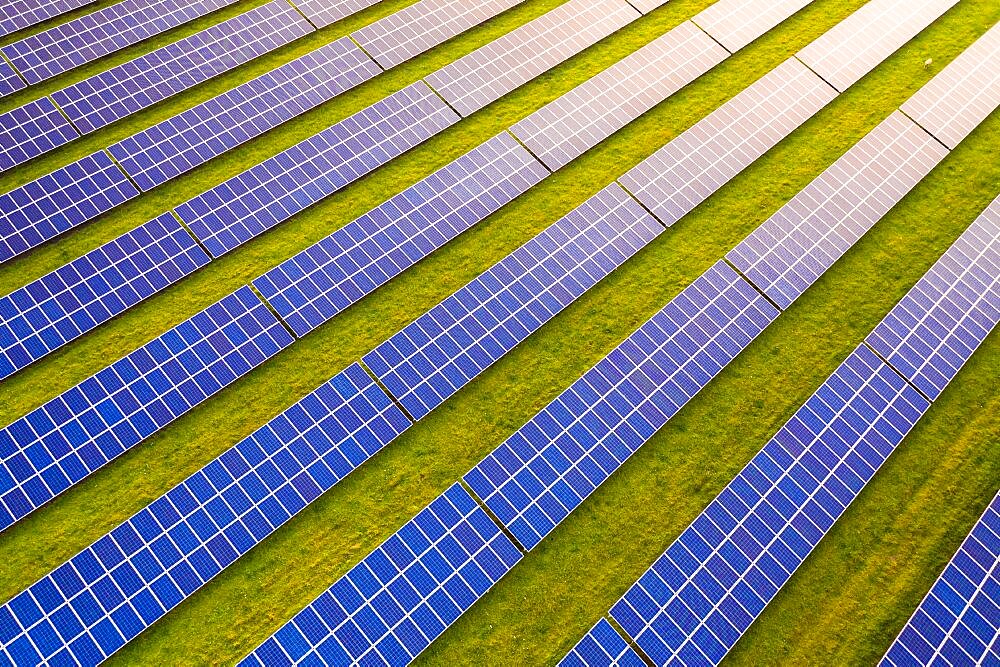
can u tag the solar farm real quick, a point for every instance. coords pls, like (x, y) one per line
(499, 332)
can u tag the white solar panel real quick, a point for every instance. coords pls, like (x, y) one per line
(324, 12)
(736, 23)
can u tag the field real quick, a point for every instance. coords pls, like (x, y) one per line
(853, 594)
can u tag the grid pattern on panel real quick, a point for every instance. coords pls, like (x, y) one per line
(322, 280)
(542, 472)
(58, 444)
(702, 594)
(124, 582)
(455, 341)
(137, 84)
(195, 136)
(324, 12)
(75, 298)
(489, 73)
(18, 14)
(422, 26)
(602, 646)
(736, 23)
(579, 120)
(30, 130)
(9, 80)
(963, 94)
(853, 47)
(269, 193)
(394, 603)
(930, 334)
(60, 200)
(958, 623)
(99, 33)
(682, 174)
(789, 252)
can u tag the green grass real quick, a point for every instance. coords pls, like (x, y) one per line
(849, 598)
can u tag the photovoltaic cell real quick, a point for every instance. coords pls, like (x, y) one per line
(455, 341)
(867, 37)
(60, 200)
(58, 444)
(702, 594)
(63, 305)
(9, 80)
(789, 252)
(545, 470)
(958, 623)
(99, 33)
(324, 279)
(962, 95)
(736, 23)
(602, 646)
(402, 596)
(489, 73)
(137, 84)
(269, 193)
(572, 124)
(30, 130)
(18, 14)
(686, 171)
(324, 12)
(422, 26)
(937, 326)
(96, 602)
(195, 136)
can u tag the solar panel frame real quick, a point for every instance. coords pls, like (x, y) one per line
(9, 79)
(19, 14)
(646, 6)
(322, 13)
(736, 23)
(30, 130)
(602, 646)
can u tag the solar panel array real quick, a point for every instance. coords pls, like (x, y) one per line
(682, 174)
(9, 80)
(137, 84)
(487, 74)
(264, 195)
(735, 24)
(322, 280)
(549, 466)
(30, 130)
(787, 253)
(579, 120)
(602, 646)
(444, 349)
(958, 623)
(395, 602)
(19, 14)
(60, 200)
(324, 12)
(71, 44)
(195, 136)
(962, 95)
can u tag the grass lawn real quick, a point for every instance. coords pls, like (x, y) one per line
(850, 597)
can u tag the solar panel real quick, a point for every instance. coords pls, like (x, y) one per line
(68, 45)
(937, 326)
(867, 37)
(487, 74)
(961, 96)
(195, 136)
(789, 252)
(402, 596)
(570, 125)
(49, 312)
(422, 26)
(602, 646)
(92, 605)
(455, 341)
(19, 14)
(58, 444)
(60, 200)
(736, 23)
(9, 80)
(264, 195)
(324, 12)
(959, 621)
(139, 83)
(30, 130)
(686, 171)
(324, 279)
(702, 594)
(542, 472)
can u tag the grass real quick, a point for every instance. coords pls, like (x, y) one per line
(849, 598)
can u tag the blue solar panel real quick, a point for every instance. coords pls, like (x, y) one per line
(542, 472)
(18, 14)
(602, 646)
(269, 193)
(9, 80)
(322, 280)
(30, 130)
(60, 200)
(958, 623)
(324, 12)
(92, 605)
(137, 84)
(402, 596)
(60, 306)
(937, 326)
(702, 594)
(455, 341)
